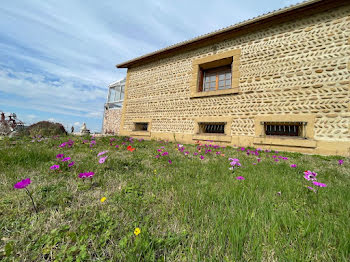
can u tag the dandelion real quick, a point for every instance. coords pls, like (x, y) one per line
(66, 159)
(60, 156)
(293, 165)
(102, 159)
(319, 184)
(102, 153)
(71, 164)
(240, 178)
(23, 184)
(137, 231)
(340, 161)
(103, 199)
(54, 167)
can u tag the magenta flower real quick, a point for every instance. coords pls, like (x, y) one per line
(102, 159)
(22, 184)
(159, 150)
(242, 149)
(186, 153)
(318, 184)
(254, 163)
(201, 157)
(240, 178)
(276, 160)
(157, 156)
(259, 160)
(293, 165)
(60, 156)
(170, 162)
(71, 164)
(116, 146)
(309, 175)
(102, 153)
(285, 158)
(195, 153)
(340, 161)
(87, 174)
(311, 188)
(66, 159)
(54, 167)
(165, 154)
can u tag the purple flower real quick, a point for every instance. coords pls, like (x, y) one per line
(22, 184)
(186, 153)
(259, 160)
(309, 175)
(340, 161)
(87, 174)
(116, 146)
(102, 153)
(165, 153)
(293, 165)
(240, 178)
(276, 160)
(160, 150)
(66, 159)
(170, 162)
(102, 159)
(71, 164)
(201, 157)
(254, 163)
(218, 152)
(54, 167)
(285, 158)
(242, 149)
(195, 153)
(157, 156)
(318, 184)
(60, 156)
(311, 188)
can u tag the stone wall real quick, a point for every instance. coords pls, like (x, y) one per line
(111, 121)
(292, 68)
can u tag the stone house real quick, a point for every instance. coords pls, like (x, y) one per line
(279, 81)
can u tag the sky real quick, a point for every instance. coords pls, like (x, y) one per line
(57, 58)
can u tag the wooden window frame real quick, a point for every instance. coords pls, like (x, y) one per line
(199, 66)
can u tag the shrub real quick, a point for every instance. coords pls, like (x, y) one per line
(46, 128)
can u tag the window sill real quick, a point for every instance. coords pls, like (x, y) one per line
(212, 137)
(285, 141)
(215, 93)
(140, 133)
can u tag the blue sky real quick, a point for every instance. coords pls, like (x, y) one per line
(58, 57)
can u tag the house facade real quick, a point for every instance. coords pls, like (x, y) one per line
(113, 108)
(278, 81)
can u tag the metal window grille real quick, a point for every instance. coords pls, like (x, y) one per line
(284, 128)
(141, 126)
(212, 128)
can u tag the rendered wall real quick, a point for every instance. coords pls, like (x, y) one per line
(294, 68)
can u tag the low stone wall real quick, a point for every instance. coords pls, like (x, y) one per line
(111, 121)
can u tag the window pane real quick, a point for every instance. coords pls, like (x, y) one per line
(221, 77)
(206, 86)
(212, 84)
(213, 78)
(228, 75)
(111, 95)
(207, 79)
(221, 83)
(228, 82)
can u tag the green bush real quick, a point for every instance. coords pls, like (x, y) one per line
(46, 128)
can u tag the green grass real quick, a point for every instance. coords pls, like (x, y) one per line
(190, 210)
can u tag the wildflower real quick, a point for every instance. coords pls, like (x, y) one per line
(116, 146)
(71, 164)
(195, 153)
(311, 188)
(242, 149)
(22, 184)
(155, 171)
(170, 162)
(279, 193)
(240, 178)
(234, 162)
(102, 159)
(259, 160)
(54, 167)
(129, 148)
(254, 163)
(201, 157)
(159, 150)
(340, 161)
(60, 156)
(102, 153)
(103, 199)
(137, 231)
(165, 153)
(186, 153)
(318, 184)
(276, 160)
(157, 156)
(87, 174)
(293, 165)
(309, 175)
(222, 155)
(66, 159)
(218, 153)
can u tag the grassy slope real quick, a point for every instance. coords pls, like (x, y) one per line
(189, 210)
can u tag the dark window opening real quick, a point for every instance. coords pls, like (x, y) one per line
(284, 128)
(212, 128)
(141, 126)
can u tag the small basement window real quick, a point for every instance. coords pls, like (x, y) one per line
(212, 128)
(141, 126)
(296, 129)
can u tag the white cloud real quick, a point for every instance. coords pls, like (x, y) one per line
(77, 124)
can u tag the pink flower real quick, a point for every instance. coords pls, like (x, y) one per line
(293, 165)
(240, 178)
(116, 146)
(102, 153)
(276, 160)
(102, 159)
(54, 167)
(157, 156)
(201, 157)
(71, 164)
(259, 160)
(22, 184)
(170, 162)
(242, 149)
(186, 153)
(318, 184)
(195, 153)
(311, 188)
(165, 154)
(87, 174)
(60, 156)
(254, 163)
(340, 161)
(65, 159)
(309, 175)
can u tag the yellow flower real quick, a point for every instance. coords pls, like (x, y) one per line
(155, 171)
(137, 231)
(103, 199)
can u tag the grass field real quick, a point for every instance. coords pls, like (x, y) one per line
(185, 209)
